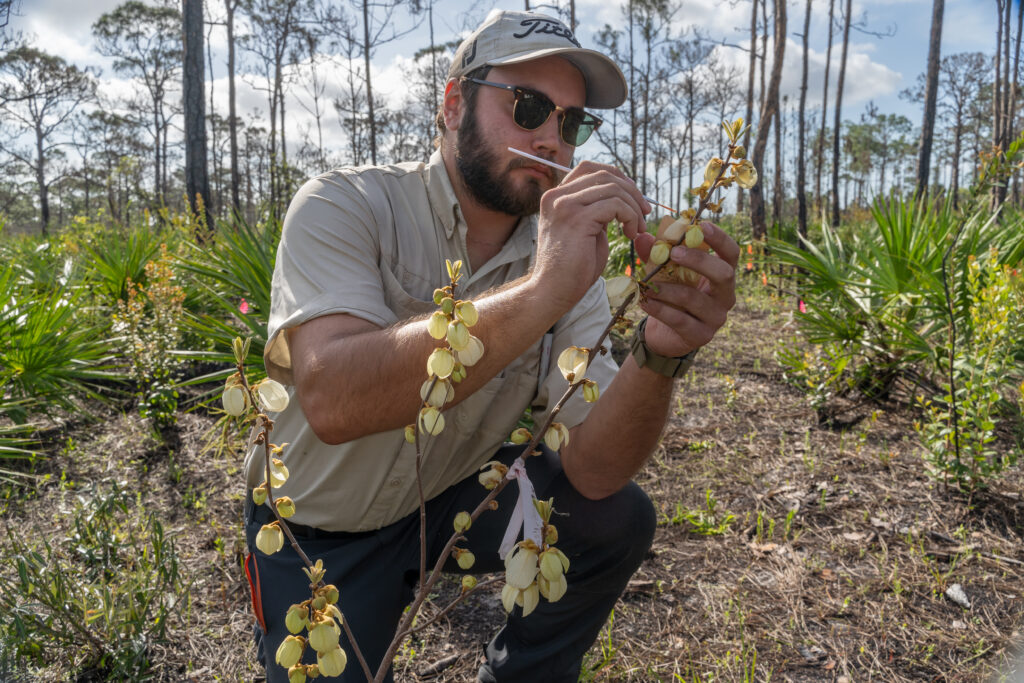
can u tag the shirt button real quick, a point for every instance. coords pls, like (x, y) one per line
(395, 483)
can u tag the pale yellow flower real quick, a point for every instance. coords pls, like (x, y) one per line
(233, 400)
(270, 539)
(573, 363)
(332, 662)
(289, 652)
(473, 352)
(521, 566)
(431, 421)
(746, 174)
(440, 363)
(273, 395)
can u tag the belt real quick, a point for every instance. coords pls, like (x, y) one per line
(262, 515)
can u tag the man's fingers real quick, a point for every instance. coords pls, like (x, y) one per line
(723, 245)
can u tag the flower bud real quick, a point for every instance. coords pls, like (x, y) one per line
(296, 617)
(440, 363)
(431, 421)
(259, 494)
(458, 335)
(410, 433)
(323, 636)
(712, 170)
(270, 539)
(437, 325)
(448, 305)
(746, 174)
(332, 662)
(694, 237)
(573, 363)
(550, 534)
(297, 674)
(591, 392)
(472, 353)
(464, 558)
(544, 508)
(441, 393)
(467, 313)
(520, 436)
(233, 400)
(285, 507)
(458, 372)
(320, 603)
(331, 593)
(289, 652)
(462, 521)
(439, 296)
(660, 252)
(273, 395)
(740, 152)
(468, 582)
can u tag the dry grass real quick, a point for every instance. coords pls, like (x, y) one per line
(834, 566)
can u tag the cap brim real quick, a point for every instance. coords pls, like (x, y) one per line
(605, 83)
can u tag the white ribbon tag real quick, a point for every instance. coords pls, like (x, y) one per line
(525, 515)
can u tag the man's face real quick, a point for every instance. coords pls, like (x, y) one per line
(496, 178)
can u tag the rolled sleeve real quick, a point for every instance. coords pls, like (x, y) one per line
(327, 263)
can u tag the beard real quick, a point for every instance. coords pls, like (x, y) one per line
(493, 190)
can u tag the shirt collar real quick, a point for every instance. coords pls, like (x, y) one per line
(442, 194)
(520, 244)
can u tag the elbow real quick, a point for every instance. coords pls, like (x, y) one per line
(323, 420)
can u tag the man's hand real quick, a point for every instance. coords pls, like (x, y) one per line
(685, 317)
(572, 240)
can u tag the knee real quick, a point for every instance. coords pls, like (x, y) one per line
(621, 524)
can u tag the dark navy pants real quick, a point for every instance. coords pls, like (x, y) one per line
(376, 573)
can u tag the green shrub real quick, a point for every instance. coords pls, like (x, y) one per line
(960, 435)
(150, 319)
(99, 596)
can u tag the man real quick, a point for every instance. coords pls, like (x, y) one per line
(362, 251)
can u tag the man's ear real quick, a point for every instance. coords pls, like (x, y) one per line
(453, 105)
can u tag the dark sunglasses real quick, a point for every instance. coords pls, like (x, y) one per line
(531, 109)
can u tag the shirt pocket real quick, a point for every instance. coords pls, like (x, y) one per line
(403, 304)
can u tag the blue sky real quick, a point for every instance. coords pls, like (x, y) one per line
(878, 68)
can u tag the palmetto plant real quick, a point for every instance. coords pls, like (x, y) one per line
(879, 296)
(54, 354)
(237, 265)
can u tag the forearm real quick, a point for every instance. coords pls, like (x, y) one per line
(354, 385)
(620, 432)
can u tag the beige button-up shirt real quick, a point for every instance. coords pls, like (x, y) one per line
(372, 242)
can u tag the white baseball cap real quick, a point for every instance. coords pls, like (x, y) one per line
(513, 37)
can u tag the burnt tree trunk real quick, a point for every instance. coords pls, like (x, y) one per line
(930, 99)
(771, 104)
(197, 182)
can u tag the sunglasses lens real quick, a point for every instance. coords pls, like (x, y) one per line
(532, 111)
(577, 127)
